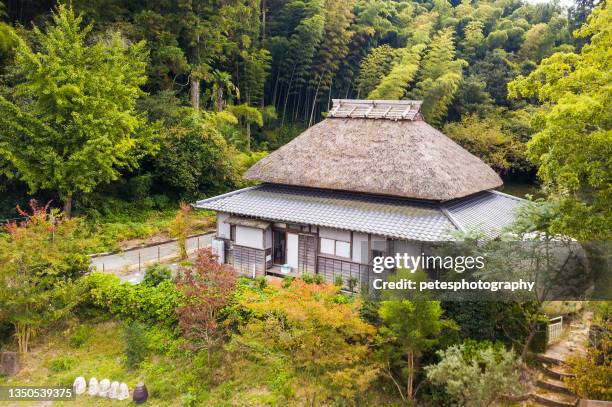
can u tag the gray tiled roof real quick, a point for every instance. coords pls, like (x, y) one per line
(488, 212)
(386, 216)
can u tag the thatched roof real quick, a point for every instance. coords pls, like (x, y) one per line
(388, 156)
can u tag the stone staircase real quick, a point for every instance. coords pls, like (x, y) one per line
(550, 389)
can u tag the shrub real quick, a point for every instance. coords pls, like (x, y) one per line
(61, 364)
(592, 372)
(338, 281)
(135, 344)
(322, 338)
(287, 281)
(318, 279)
(261, 282)
(163, 341)
(152, 305)
(477, 376)
(540, 337)
(352, 283)
(308, 278)
(155, 274)
(80, 335)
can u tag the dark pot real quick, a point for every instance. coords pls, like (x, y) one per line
(140, 393)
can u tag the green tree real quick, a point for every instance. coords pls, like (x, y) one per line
(72, 124)
(439, 78)
(197, 159)
(374, 67)
(247, 116)
(40, 262)
(395, 84)
(486, 138)
(573, 145)
(408, 329)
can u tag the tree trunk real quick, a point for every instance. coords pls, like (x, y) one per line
(68, 205)
(287, 97)
(248, 136)
(530, 336)
(195, 93)
(314, 102)
(23, 332)
(409, 384)
(219, 99)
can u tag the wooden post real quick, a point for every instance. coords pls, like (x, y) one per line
(158, 258)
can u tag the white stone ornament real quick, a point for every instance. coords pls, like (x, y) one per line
(113, 393)
(94, 387)
(124, 392)
(104, 388)
(79, 385)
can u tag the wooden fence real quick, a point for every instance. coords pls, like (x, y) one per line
(555, 329)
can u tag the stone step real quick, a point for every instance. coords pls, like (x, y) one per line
(553, 385)
(548, 360)
(553, 399)
(555, 371)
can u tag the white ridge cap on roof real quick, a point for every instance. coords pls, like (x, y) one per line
(376, 109)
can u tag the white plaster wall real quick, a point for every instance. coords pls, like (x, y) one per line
(268, 237)
(360, 247)
(223, 228)
(379, 243)
(249, 237)
(292, 250)
(404, 246)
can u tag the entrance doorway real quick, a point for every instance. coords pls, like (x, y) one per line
(279, 244)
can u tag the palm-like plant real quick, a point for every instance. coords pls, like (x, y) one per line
(222, 85)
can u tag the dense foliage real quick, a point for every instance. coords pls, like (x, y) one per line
(573, 145)
(41, 261)
(216, 80)
(476, 375)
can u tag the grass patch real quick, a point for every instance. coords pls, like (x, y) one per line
(55, 362)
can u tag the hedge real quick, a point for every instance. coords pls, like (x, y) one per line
(139, 302)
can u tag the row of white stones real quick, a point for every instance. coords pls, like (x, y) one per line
(105, 388)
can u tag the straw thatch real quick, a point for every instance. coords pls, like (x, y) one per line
(400, 158)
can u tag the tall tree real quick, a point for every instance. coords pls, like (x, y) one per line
(72, 124)
(394, 85)
(376, 65)
(440, 77)
(408, 329)
(573, 145)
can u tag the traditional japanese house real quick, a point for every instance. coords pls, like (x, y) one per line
(371, 179)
